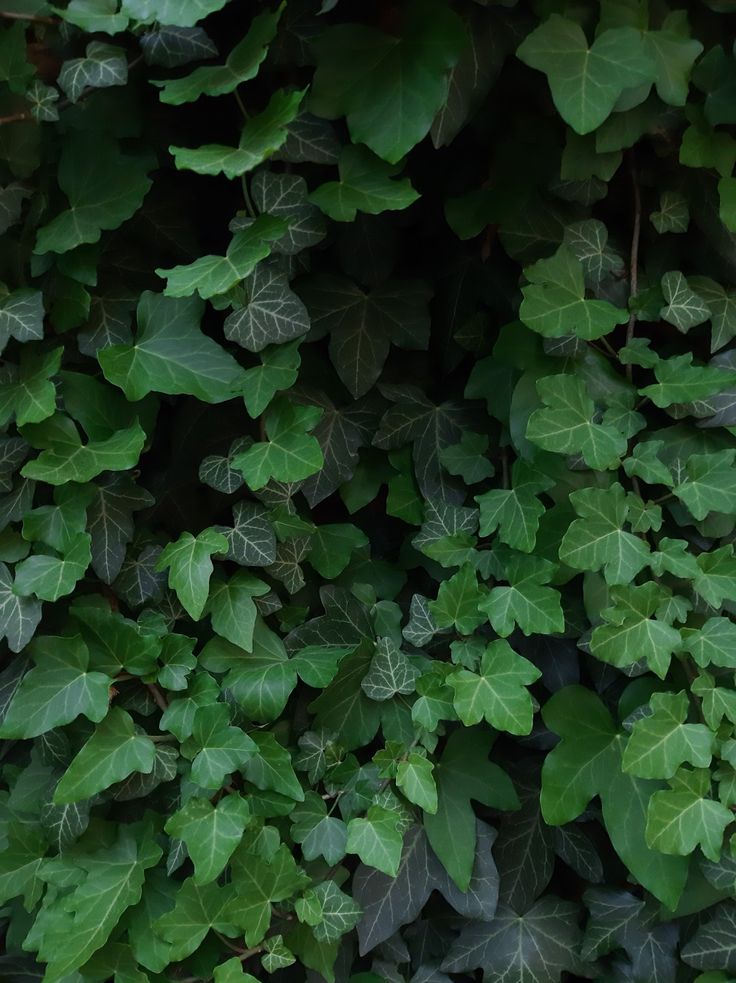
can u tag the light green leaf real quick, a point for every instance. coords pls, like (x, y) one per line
(709, 484)
(587, 81)
(631, 633)
(52, 577)
(217, 748)
(242, 63)
(332, 546)
(457, 602)
(278, 370)
(684, 817)
(270, 767)
(376, 839)
(497, 693)
(661, 742)
(189, 563)
(261, 136)
(414, 778)
(233, 609)
(679, 381)
(566, 424)
(212, 275)
(112, 753)
(210, 832)
(290, 453)
(535, 608)
(554, 303)
(65, 459)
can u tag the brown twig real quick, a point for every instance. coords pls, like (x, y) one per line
(633, 260)
(158, 697)
(15, 118)
(31, 18)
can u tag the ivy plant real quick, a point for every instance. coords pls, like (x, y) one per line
(367, 491)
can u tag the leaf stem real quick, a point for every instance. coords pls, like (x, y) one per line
(15, 118)
(249, 206)
(31, 18)
(633, 259)
(158, 697)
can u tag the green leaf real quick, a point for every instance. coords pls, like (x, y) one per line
(212, 275)
(554, 303)
(278, 370)
(414, 778)
(52, 577)
(631, 633)
(684, 308)
(218, 748)
(464, 773)
(367, 184)
(57, 690)
(389, 87)
(597, 540)
(290, 452)
(515, 512)
(318, 834)
(468, 458)
(189, 563)
(211, 833)
(684, 817)
(261, 136)
(21, 316)
(242, 63)
(171, 355)
(233, 609)
(713, 644)
(673, 215)
(104, 188)
(273, 315)
(19, 616)
(390, 672)
(679, 381)
(498, 692)
(457, 602)
(376, 840)
(65, 459)
(198, 909)
(587, 81)
(566, 424)
(112, 753)
(285, 196)
(103, 65)
(526, 602)
(709, 484)
(661, 742)
(270, 767)
(26, 391)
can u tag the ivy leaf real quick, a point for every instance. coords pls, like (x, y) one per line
(390, 672)
(251, 539)
(526, 602)
(218, 748)
(554, 303)
(189, 563)
(173, 46)
(180, 13)
(171, 355)
(712, 644)
(110, 522)
(112, 753)
(233, 610)
(684, 816)
(290, 453)
(242, 63)
(198, 909)
(566, 424)
(515, 512)
(19, 616)
(27, 391)
(274, 313)
(104, 188)
(211, 833)
(389, 88)
(414, 778)
(376, 839)
(319, 834)
(57, 690)
(338, 912)
(539, 945)
(711, 946)
(464, 773)
(52, 577)
(103, 65)
(498, 692)
(65, 459)
(367, 184)
(285, 196)
(586, 81)
(21, 316)
(679, 381)
(212, 275)
(684, 308)
(260, 137)
(278, 370)
(722, 305)
(709, 484)
(597, 540)
(458, 601)
(661, 742)
(631, 633)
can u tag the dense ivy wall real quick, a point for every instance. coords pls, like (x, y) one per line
(367, 491)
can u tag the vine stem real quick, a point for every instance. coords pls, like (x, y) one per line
(633, 260)
(15, 118)
(158, 696)
(31, 18)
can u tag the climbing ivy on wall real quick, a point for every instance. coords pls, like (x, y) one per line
(367, 491)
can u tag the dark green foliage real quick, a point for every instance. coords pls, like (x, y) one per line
(367, 491)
